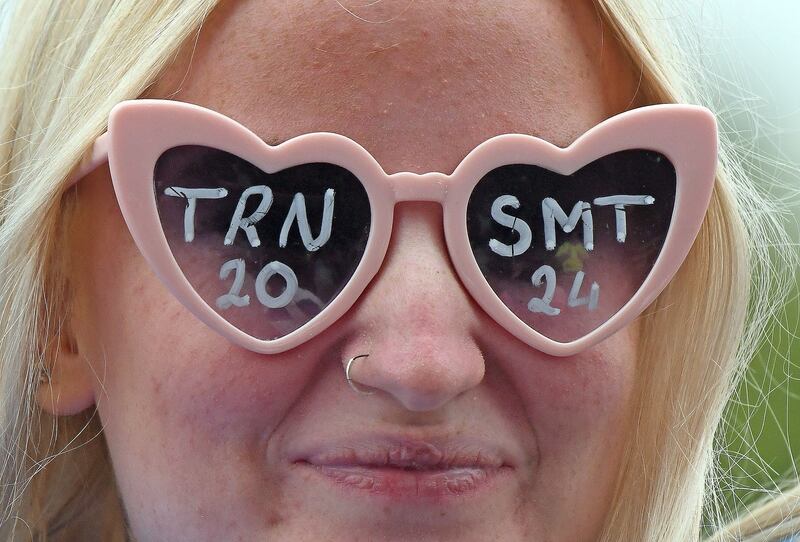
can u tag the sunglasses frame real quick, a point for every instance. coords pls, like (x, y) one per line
(139, 131)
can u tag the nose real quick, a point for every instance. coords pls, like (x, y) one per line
(415, 319)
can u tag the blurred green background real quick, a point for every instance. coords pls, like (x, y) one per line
(749, 54)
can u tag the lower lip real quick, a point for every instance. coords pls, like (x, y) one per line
(408, 484)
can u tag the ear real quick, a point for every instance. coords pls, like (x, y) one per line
(69, 390)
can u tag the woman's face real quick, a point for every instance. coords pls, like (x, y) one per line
(213, 442)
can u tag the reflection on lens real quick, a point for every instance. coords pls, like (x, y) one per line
(566, 252)
(268, 252)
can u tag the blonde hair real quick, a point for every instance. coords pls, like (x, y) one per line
(66, 65)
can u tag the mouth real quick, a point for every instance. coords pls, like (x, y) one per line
(408, 469)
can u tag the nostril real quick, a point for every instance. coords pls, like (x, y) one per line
(417, 402)
(430, 383)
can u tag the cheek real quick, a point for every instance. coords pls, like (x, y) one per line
(173, 396)
(155, 356)
(148, 349)
(577, 408)
(590, 390)
(584, 402)
(176, 398)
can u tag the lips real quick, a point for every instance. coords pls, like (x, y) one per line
(407, 468)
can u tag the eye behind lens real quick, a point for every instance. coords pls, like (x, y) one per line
(300, 233)
(566, 252)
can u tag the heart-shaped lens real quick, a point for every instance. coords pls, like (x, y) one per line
(268, 252)
(566, 252)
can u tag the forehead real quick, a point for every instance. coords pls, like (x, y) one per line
(417, 83)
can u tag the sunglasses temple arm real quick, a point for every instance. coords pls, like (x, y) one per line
(90, 160)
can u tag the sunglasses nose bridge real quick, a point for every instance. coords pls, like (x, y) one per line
(409, 186)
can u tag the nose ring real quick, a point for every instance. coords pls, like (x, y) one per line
(350, 380)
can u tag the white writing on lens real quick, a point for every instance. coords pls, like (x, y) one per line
(544, 305)
(192, 195)
(298, 211)
(590, 301)
(266, 273)
(239, 222)
(552, 212)
(619, 203)
(510, 221)
(233, 297)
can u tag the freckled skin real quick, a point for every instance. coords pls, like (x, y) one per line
(198, 429)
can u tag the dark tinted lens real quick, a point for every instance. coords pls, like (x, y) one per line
(268, 252)
(565, 253)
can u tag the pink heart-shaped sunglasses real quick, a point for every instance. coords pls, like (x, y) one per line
(269, 245)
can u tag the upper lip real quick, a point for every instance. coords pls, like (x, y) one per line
(376, 451)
